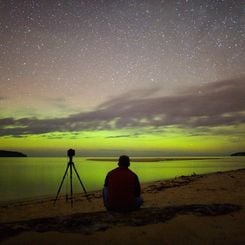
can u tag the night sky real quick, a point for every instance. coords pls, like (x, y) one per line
(146, 78)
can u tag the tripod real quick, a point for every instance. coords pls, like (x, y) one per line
(70, 166)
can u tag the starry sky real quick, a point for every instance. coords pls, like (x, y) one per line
(146, 78)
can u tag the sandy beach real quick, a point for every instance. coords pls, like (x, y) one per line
(197, 209)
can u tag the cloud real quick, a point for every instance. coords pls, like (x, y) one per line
(58, 103)
(3, 98)
(214, 104)
(123, 136)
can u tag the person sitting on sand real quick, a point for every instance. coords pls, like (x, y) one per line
(121, 190)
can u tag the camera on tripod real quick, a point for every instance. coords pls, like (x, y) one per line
(70, 167)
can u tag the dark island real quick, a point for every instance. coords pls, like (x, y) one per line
(11, 154)
(238, 154)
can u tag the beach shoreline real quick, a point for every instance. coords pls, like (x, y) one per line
(214, 202)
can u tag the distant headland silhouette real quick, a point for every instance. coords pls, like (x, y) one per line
(238, 154)
(11, 154)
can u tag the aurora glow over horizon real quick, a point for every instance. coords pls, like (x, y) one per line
(145, 78)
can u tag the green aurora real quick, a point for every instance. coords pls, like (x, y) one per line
(170, 142)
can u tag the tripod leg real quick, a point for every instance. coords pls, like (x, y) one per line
(58, 192)
(71, 184)
(86, 194)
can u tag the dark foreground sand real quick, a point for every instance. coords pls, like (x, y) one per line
(199, 209)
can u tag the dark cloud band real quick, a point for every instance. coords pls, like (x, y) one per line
(214, 104)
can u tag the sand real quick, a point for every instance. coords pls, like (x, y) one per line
(197, 209)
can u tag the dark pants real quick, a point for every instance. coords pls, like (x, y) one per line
(138, 201)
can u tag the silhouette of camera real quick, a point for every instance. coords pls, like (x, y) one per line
(71, 153)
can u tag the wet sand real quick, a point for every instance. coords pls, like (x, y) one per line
(197, 209)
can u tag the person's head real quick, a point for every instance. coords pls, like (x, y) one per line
(123, 161)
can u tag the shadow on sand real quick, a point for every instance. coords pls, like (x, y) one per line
(87, 223)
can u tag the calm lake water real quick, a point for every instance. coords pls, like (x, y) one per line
(22, 178)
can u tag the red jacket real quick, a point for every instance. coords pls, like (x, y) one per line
(123, 186)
